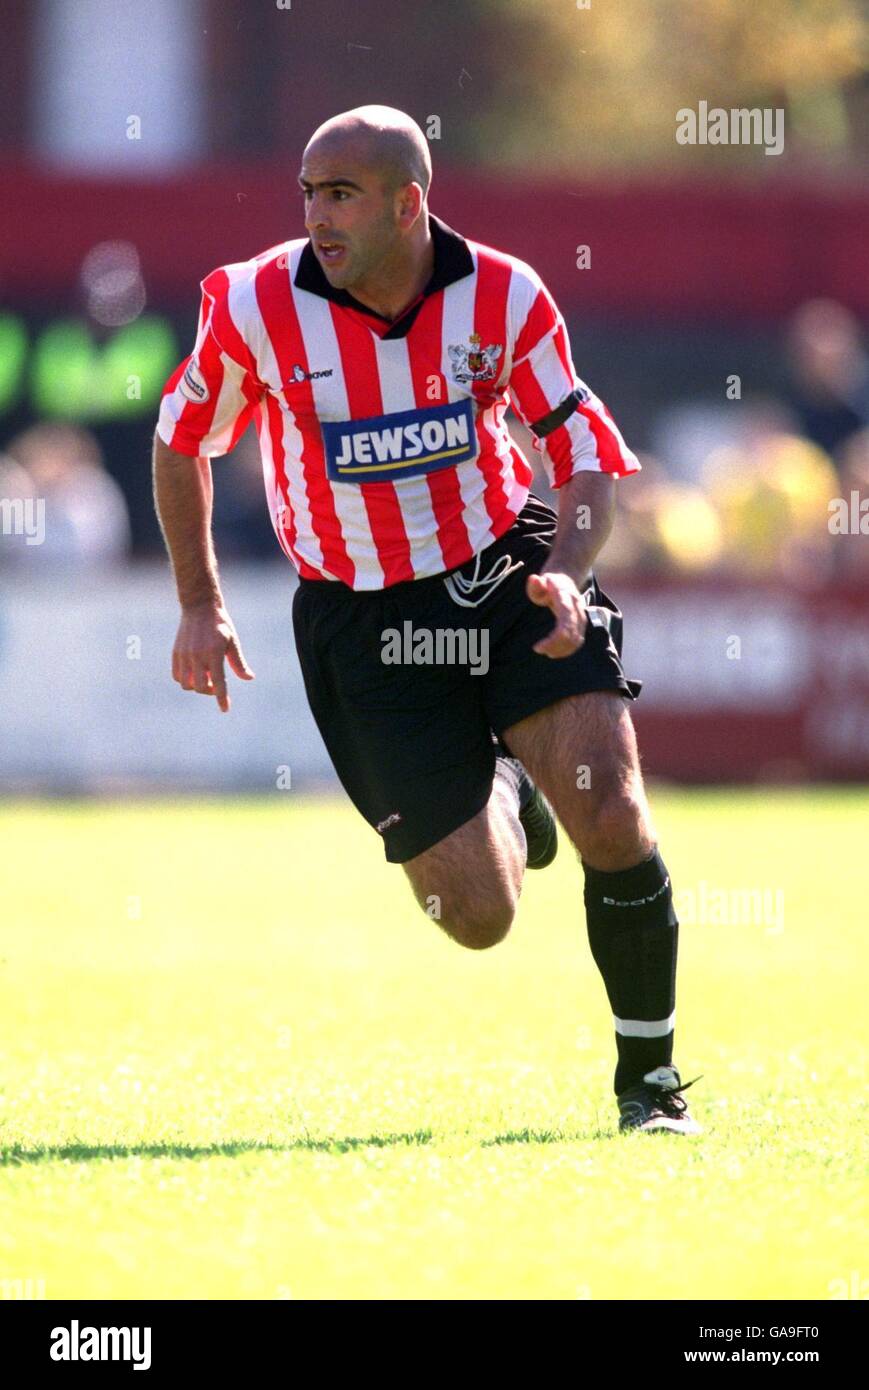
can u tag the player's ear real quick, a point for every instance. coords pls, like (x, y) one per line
(409, 202)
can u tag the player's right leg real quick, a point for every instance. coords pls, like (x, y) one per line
(470, 881)
(412, 745)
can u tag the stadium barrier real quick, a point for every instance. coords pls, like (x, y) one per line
(741, 683)
(750, 682)
(721, 248)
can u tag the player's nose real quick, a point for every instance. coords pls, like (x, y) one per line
(315, 217)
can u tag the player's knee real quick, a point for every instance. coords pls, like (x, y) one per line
(480, 932)
(619, 834)
(479, 926)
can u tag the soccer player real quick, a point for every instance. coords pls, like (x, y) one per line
(453, 639)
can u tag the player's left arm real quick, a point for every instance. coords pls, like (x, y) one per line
(586, 510)
(582, 453)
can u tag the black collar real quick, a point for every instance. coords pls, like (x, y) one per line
(452, 261)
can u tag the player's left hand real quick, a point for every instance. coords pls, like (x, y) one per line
(559, 593)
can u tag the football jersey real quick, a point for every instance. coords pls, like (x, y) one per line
(385, 449)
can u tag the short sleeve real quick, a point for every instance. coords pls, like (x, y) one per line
(208, 400)
(574, 431)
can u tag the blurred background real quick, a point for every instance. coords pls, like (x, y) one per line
(717, 297)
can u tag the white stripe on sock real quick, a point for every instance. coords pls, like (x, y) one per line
(639, 1028)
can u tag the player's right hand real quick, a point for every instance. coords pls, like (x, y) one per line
(206, 636)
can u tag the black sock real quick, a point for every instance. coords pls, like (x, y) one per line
(633, 933)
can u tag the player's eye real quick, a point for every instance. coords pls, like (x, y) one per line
(336, 193)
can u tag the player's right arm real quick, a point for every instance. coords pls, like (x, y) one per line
(207, 403)
(206, 635)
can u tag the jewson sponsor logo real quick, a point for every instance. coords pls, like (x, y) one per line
(401, 445)
(75, 1343)
(737, 126)
(440, 646)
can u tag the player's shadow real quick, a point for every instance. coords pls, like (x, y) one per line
(17, 1154)
(542, 1136)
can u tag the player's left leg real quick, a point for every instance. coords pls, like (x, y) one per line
(582, 753)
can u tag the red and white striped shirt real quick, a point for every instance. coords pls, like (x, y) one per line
(386, 455)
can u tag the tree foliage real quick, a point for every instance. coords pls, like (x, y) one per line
(600, 86)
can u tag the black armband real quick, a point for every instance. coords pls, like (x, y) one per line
(558, 416)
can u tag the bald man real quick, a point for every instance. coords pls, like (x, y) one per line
(453, 638)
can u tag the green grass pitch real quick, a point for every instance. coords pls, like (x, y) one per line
(236, 1061)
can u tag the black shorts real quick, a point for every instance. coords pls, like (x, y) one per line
(407, 684)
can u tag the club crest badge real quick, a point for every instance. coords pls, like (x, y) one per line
(475, 363)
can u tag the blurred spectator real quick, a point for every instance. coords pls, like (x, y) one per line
(684, 433)
(63, 506)
(109, 362)
(663, 526)
(830, 373)
(105, 369)
(773, 502)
